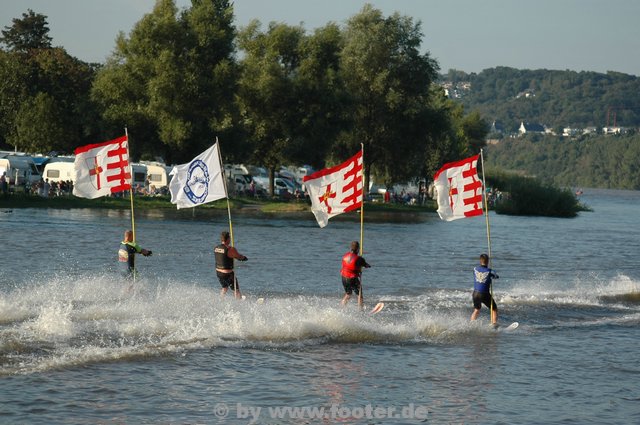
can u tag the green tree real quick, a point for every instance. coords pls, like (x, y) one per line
(172, 80)
(474, 131)
(44, 102)
(212, 65)
(14, 88)
(321, 98)
(140, 86)
(268, 97)
(387, 81)
(30, 32)
(443, 140)
(40, 121)
(57, 87)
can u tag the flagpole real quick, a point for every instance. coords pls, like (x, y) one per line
(361, 295)
(486, 214)
(133, 223)
(226, 192)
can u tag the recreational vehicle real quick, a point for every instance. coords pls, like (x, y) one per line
(59, 169)
(19, 169)
(139, 175)
(157, 174)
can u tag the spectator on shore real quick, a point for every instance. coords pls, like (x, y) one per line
(46, 187)
(4, 185)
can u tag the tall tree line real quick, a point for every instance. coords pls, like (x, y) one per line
(273, 96)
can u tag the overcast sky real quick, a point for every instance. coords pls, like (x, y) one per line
(468, 35)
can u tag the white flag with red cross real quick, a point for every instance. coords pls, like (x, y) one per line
(102, 169)
(459, 191)
(336, 190)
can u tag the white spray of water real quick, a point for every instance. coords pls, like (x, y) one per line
(63, 322)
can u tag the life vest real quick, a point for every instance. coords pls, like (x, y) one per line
(482, 279)
(350, 267)
(223, 261)
(127, 255)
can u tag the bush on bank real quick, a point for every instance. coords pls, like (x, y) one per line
(521, 195)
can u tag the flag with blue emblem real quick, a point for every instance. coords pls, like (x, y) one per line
(198, 182)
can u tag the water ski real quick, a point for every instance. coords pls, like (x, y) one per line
(377, 308)
(509, 328)
(258, 301)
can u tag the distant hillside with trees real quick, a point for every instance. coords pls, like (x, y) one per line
(556, 99)
(611, 162)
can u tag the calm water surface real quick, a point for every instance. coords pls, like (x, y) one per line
(76, 347)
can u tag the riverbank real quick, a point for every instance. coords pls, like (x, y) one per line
(375, 211)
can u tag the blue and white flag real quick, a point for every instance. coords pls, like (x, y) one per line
(199, 181)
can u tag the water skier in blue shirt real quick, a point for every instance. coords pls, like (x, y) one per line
(482, 277)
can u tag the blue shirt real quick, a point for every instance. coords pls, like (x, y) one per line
(482, 276)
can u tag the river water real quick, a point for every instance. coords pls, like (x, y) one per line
(76, 347)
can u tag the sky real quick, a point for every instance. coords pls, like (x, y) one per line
(467, 35)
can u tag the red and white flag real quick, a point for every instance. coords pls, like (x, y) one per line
(336, 190)
(459, 191)
(102, 169)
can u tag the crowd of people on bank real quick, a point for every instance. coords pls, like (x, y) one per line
(49, 189)
(42, 187)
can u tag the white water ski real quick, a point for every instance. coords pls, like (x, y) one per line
(378, 307)
(258, 301)
(511, 327)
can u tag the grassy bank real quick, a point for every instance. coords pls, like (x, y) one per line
(521, 196)
(238, 205)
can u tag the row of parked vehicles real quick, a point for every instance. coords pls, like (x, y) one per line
(152, 177)
(22, 170)
(254, 181)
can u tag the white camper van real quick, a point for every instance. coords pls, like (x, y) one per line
(59, 169)
(19, 169)
(157, 174)
(139, 176)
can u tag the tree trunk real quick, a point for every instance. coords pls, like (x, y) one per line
(272, 175)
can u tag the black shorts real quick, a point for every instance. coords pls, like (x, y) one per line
(351, 284)
(480, 298)
(227, 280)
